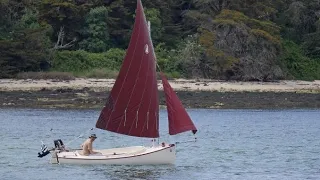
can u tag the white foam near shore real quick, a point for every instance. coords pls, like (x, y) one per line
(177, 84)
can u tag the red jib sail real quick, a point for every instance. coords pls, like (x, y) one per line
(133, 106)
(179, 120)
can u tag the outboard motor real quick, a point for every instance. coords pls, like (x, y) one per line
(58, 145)
(44, 151)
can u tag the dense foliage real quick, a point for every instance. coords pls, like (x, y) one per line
(260, 40)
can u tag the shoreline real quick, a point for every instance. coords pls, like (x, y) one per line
(211, 94)
(177, 85)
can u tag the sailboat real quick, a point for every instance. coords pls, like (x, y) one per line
(132, 109)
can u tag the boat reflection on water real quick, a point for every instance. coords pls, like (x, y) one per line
(137, 172)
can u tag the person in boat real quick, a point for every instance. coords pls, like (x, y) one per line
(87, 146)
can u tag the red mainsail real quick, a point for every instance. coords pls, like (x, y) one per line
(179, 120)
(133, 106)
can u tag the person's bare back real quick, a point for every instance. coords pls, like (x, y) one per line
(87, 146)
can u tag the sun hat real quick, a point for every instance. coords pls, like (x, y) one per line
(93, 136)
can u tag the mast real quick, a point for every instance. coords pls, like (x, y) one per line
(132, 107)
(179, 120)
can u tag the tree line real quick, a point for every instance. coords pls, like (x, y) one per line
(251, 40)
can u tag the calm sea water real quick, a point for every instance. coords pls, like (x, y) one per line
(232, 144)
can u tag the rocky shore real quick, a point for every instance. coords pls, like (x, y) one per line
(92, 94)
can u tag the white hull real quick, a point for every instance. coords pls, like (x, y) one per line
(135, 155)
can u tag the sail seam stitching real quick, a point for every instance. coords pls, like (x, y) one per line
(135, 46)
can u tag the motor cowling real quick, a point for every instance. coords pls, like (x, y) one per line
(58, 144)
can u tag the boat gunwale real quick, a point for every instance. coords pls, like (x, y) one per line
(170, 146)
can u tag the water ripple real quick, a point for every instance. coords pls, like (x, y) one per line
(232, 144)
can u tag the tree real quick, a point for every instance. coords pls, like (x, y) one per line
(29, 19)
(26, 52)
(297, 21)
(311, 42)
(163, 13)
(9, 15)
(298, 65)
(170, 15)
(241, 47)
(153, 15)
(65, 17)
(95, 34)
(120, 21)
(24, 45)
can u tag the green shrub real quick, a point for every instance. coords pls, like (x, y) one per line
(95, 30)
(46, 75)
(299, 66)
(82, 61)
(167, 59)
(173, 75)
(100, 74)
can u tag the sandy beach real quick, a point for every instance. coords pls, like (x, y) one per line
(177, 84)
(92, 94)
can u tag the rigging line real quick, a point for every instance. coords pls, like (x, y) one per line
(155, 88)
(143, 93)
(154, 85)
(158, 66)
(152, 92)
(156, 62)
(135, 83)
(135, 46)
(50, 134)
(144, 90)
(185, 142)
(81, 135)
(133, 89)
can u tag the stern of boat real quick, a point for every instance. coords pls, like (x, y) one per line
(134, 155)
